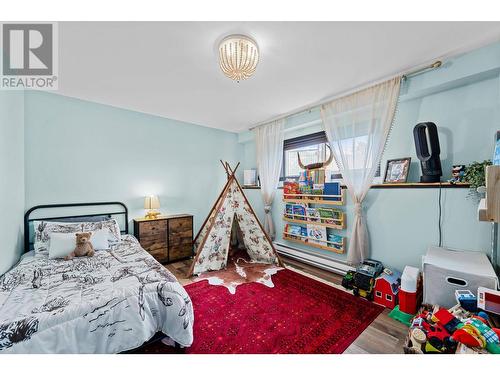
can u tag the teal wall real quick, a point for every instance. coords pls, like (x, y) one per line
(79, 151)
(463, 99)
(11, 177)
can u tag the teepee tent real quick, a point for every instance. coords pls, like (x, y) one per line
(231, 212)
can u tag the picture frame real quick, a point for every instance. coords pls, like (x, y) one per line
(396, 170)
(496, 154)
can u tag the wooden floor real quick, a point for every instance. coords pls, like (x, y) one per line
(383, 336)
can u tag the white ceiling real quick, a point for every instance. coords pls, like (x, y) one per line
(170, 69)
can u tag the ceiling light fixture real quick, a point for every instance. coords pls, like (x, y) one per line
(238, 57)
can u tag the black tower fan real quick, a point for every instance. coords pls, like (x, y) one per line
(427, 146)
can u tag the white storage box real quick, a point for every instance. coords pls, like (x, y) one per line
(448, 270)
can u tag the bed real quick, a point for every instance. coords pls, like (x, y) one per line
(109, 303)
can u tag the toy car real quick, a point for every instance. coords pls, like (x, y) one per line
(362, 280)
(348, 279)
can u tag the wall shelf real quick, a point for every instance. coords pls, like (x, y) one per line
(314, 201)
(422, 185)
(339, 226)
(406, 185)
(314, 198)
(286, 236)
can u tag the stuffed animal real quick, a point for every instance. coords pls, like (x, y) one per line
(83, 246)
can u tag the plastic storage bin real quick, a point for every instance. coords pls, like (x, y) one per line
(448, 270)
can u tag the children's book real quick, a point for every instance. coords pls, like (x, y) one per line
(332, 188)
(332, 237)
(305, 179)
(296, 231)
(306, 190)
(316, 234)
(336, 239)
(327, 215)
(291, 187)
(289, 211)
(318, 190)
(318, 176)
(299, 211)
(313, 214)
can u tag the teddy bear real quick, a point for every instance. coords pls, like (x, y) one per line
(83, 246)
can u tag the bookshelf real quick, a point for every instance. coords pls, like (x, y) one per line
(315, 198)
(296, 220)
(302, 219)
(288, 237)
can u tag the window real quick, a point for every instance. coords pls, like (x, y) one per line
(388, 297)
(313, 149)
(378, 294)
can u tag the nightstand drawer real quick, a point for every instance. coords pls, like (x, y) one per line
(180, 252)
(160, 253)
(177, 240)
(180, 225)
(148, 241)
(154, 227)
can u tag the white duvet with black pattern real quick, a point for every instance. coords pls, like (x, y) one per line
(108, 303)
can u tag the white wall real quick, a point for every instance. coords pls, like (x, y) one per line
(11, 177)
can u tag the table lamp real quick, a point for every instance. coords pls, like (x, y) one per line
(152, 203)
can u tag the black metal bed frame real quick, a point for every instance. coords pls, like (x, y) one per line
(28, 220)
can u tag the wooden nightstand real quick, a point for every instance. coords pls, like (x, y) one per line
(167, 238)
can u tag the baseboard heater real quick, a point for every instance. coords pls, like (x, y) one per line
(314, 259)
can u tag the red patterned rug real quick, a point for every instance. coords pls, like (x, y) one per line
(299, 315)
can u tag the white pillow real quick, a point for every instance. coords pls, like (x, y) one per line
(61, 244)
(110, 225)
(100, 239)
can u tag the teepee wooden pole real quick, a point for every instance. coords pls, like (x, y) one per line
(224, 165)
(233, 171)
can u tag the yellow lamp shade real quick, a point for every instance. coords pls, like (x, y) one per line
(152, 202)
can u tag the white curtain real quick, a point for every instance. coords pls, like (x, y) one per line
(357, 127)
(269, 141)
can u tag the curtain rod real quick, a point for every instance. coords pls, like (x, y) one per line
(436, 64)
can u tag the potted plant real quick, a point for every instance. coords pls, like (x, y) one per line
(475, 175)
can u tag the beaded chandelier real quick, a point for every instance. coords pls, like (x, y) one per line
(238, 57)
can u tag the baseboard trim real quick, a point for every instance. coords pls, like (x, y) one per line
(316, 260)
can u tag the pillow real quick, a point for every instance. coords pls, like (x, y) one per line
(111, 225)
(44, 228)
(100, 239)
(61, 244)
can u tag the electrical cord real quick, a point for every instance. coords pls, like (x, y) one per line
(439, 217)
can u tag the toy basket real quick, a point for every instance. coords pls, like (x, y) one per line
(409, 346)
(412, 347)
